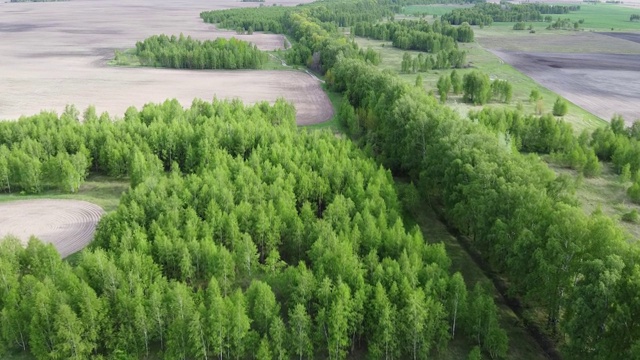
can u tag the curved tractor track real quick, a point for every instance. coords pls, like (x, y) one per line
(67, 224)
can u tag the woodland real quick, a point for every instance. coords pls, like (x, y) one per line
(245, 237)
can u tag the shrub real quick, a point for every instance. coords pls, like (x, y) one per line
(560, 107)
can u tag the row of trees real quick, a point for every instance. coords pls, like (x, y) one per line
(578, 269)
(186, 53)
(416, 35)
(487, 13)
(261, 242)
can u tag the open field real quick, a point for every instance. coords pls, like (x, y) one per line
(67, 224)
(58, 55)
(481, 59)
(603, 84)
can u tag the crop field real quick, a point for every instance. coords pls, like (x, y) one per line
(59, 51)
(596, 71)
(67, 224)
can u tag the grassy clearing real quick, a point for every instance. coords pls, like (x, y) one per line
(481, 59)
(521, 344)
(100, 190)
(605, 193)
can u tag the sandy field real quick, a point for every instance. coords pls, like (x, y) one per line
(56, 53)
(67, 224)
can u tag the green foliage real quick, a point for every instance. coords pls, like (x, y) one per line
(502, 90)
(476, 87)
(519, 26)
(456, 82)
(487, 13)
(631, 216)
(512, 208)
(255, 223)
(444, 86)
(634, 192)
(560, 107)
(187, 53)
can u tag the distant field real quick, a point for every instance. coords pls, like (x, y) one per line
(59, 51)
(484, 60)
(595, 70)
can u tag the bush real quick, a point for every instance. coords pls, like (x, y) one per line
(560, 107)
(634, 192)
(631, 216)
(519, 26)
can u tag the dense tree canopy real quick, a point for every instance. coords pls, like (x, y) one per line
(487, 13)
(260, 238)
(186, 53)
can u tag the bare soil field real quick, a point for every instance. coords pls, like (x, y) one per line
(56, 54)
(603, 84)
(561, 42)
(596, 71)
(634, 37)
(67, 224)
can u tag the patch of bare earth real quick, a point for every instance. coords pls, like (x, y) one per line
(67, 224)
(603, 84)
(597, 72)
(58, 51)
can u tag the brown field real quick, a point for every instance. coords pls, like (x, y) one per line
(67, 224)
(600, 73)
(56, 53)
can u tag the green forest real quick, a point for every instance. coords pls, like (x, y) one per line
(259, 239)
(186, 53)
(242, 236)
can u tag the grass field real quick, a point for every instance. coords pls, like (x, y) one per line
(597, 17)
(481, 59)
(100, 190)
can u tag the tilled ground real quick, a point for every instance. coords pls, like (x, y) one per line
(603, 84)
(67, 224)
(56, 53)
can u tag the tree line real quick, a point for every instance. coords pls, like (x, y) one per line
(186, 53)
(416, 35)
(487, 13)
(259, 241)
(511, 206)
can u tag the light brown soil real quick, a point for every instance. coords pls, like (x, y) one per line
(67, 224)
(56, 54)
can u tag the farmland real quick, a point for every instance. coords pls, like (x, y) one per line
(59, 53)
(422, 226)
